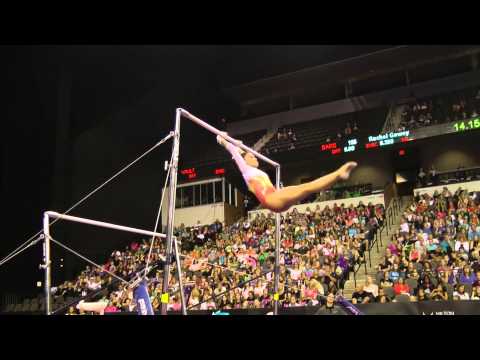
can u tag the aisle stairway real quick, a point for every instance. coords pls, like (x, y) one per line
(265, 139)
(377, 256)
(394, 119)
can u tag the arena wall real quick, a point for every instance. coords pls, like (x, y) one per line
(470, 186)
(375, 199)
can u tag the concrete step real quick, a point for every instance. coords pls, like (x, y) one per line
(376, 257)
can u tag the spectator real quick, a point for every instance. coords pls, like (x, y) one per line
(360, 296)
(439, 293)
(467, 277)
(329, 306)
(370, 286)
(460, 292)
(433, 175)
(421, 177)
(381, 297)
(401, 288)
(348, 130)
(475, 293)
(421, 295)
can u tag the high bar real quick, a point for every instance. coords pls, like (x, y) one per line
(53, 214)
(232, 140)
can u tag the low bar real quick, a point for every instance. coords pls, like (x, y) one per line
(53, 214)
(226, 137)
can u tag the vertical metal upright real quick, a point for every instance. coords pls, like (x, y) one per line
(180, 281)
(47, 263)
(171, 214)
(277, 248)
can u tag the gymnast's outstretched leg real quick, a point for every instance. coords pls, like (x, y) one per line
(279, 200)
(282, 199)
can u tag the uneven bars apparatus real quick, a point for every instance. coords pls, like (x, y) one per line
(46, 249)
(172, 197)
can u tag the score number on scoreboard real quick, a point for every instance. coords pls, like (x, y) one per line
(467, 125)
(335, 149)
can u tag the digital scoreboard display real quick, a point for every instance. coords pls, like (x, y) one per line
(335, 148)
(466, 125)
(380, 141)
(373, 142)
(388, 139)
(200, 173)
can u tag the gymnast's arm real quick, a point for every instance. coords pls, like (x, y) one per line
(235, 152)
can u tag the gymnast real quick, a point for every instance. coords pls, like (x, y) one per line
(279, 200)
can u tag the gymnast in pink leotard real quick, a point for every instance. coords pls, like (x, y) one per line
(279, 200)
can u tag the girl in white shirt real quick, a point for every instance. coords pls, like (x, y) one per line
(475, 293)
(460, 292)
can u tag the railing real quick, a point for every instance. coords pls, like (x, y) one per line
(451, 177)
(345, 192)
(265, 139)
(388, 119)
(391, 213)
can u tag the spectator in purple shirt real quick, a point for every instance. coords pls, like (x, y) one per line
(467, 277)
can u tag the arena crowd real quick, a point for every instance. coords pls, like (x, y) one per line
(319, 250)
(434, 255)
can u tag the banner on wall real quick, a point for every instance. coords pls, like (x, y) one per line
(144, 306)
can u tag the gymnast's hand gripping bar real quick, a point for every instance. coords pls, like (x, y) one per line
(226, 137)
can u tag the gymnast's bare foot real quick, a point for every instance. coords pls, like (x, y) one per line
(345, 170)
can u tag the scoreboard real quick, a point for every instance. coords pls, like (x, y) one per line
(191, 174)
(378, 141)
(351, 145)
(373, 142)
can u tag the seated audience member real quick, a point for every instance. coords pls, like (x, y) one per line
(381, 297)
(421, 295)
(401, 288)
(439, 293)
(475, 293)
(421, 176)
(370, 286)
(460, 292)
(360, 296)
(329, 307)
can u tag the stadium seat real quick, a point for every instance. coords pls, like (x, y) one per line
(402, 298)
(412, 284)
(26, 305)
(34, 305)
(389, 292)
